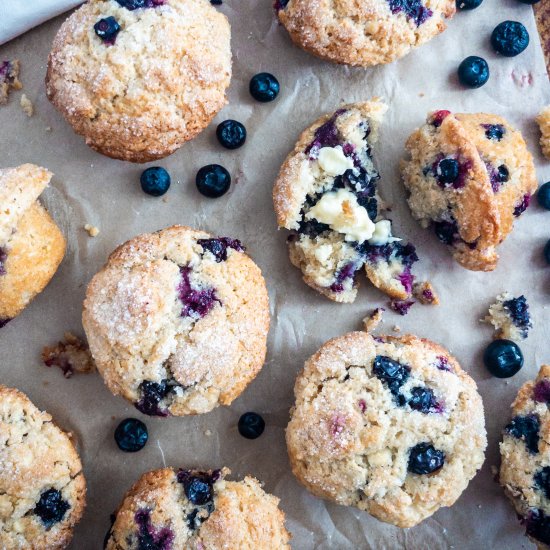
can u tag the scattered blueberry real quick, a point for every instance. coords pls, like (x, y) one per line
(494, 131)
(231, 134)
(543, 196)
(510, 38)
(107, 29)
(468, 4)
(425, 459)
(51, 507)
(473, 72)
(198, 486)
(213, 181)
(155, 181)
(152, 393)
(537, 524)
(422, 400)
(527, 429)
(251, 425)
(390, 372)
(131, 435)
(503, 358)
(447, 171)
(546, 254)
(264, 87)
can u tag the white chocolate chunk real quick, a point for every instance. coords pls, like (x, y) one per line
(333, 161)
(382, 234)
(341, 212)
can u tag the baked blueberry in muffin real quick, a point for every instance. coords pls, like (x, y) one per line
(326, 195)
(525, 454)
(9, 79)
(510, 317)
(196, 510)
(469, 176)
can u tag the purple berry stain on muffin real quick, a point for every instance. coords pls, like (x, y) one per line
(196, 303)
(497, 176)
(494, 132)
(152, 393)
(413, 9)
(522, 206)
(542, 480)
(327, 135)
(447, 231)
(362, 405)
(442, 363)
(423, 400)
(438, 117)
(218, 247)
(518, 311)
(3, 259)
(150, 538)
(527, 429)
(137, 4)
(401, 307)
(345, 273)
(51, 507)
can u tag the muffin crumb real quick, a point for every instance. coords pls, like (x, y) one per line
(370, 322)
(543, 121)
(92, 230)
(26, 105)
(510, 317)
(70, 355)
(425, 293)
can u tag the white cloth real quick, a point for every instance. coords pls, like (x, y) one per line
(18, 16)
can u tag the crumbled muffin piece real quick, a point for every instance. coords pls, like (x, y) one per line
(26, 105)
(370, 322)
(543, 121)
(425, 293)
(510, 317)
(92, 230)
(9, 73)
(70, 355)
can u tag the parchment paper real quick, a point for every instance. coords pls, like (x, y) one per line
(89, 188)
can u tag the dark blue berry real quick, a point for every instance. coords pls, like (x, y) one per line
(447, 171)
(510, 38)
(194, 519)
(413, 9)
(51, 507)
(198, 486)
(231, 134)
(264, 87)
(422, 400)
(543, 195)
(218, 247)
(213, 181)
(503, 174)
(446, 232)
(149, 536)
(131, 435)
(494, 131)
(155, 181)
(503, 358)
(107, 29)
(468, 4)
(392, 373)
(526, 428)
(152, 393)
(529, 1)
(518, 309)
(136, 4)
(537, 526)
(251, 425)
(473, 72)
(542, 480)
(546, 254)
(425, 459)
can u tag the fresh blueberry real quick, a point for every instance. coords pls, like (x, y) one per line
(131, 435)
(537, 525)
(542, 480)
(231, 134)
(152, 393)
(527, 429)
(422, 400)
(390, 372)
(198, 486)
(546, 253)
(468, 4)
(503, 358)
(510, 38)
(543, 196)
(51, 507)
(251, 425)
(107, 29)
(494, 131)
(425, 459)
(473, 72)
(264, 87)
(213, 181)
(155, 181)
(447, 171)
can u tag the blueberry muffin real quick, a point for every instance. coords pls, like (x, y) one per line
(197, 511)
(177, 321)
(31, 244)
(42, 488)
(364, 33)
(525, 454)
(390, 425)
(469, 176)
(326, 196)
(138, 78)
(544, 124)
(510, 317)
